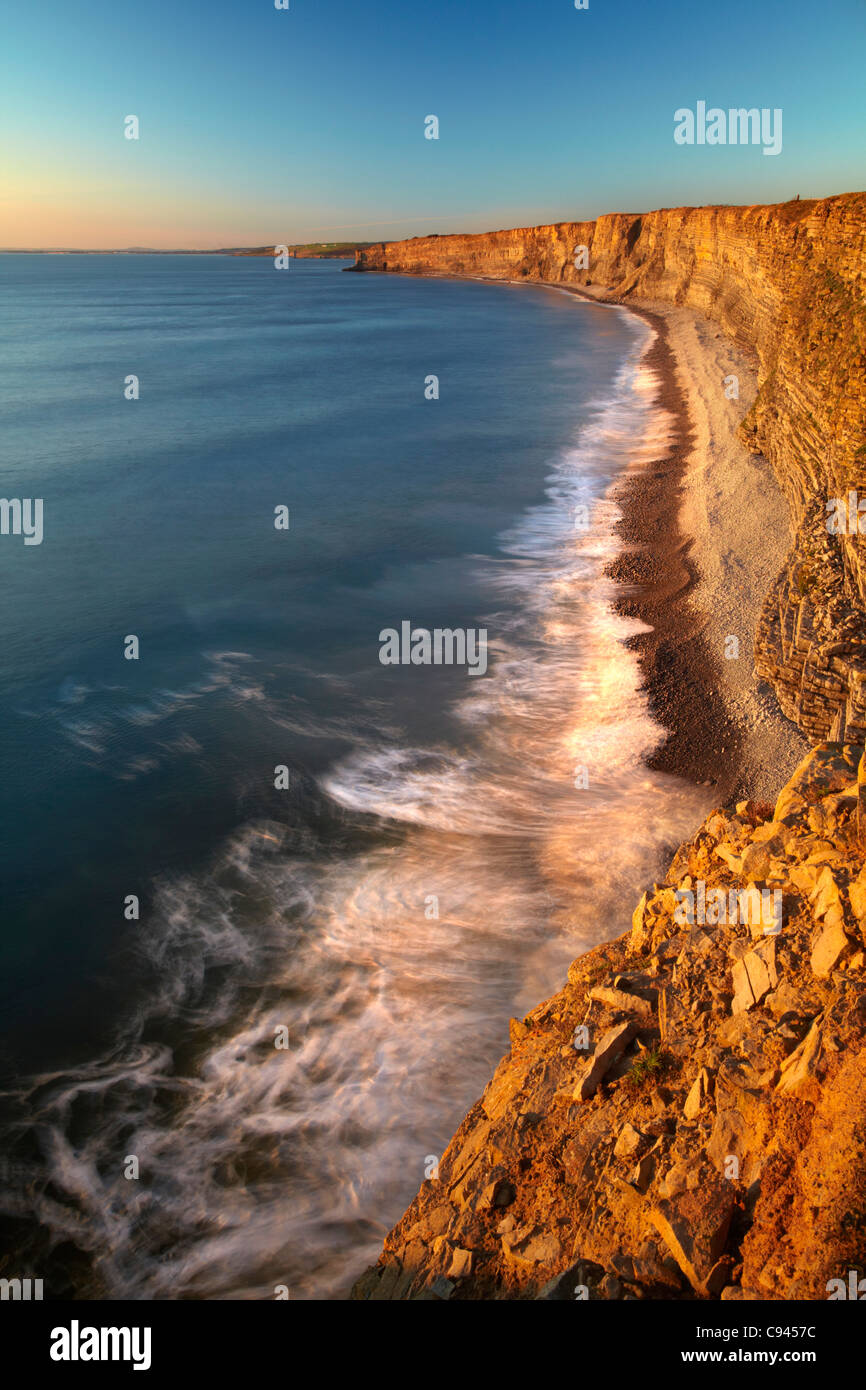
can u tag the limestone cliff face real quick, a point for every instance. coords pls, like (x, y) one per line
(787, 282)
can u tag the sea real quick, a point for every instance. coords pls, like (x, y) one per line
(268, 903)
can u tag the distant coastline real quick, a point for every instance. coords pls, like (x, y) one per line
(306, 251)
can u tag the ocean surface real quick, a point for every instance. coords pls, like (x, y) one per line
(319, 981)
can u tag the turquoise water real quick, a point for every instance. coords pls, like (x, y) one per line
(431, 867)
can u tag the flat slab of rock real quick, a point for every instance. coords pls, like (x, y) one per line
(461, 1264)
(609, 1048)
(672, 1012)
(754, 976)
(694, 1227)
(828, 949)
(619, 999)
(442, 1288)
(534, 1247)
(825, 895)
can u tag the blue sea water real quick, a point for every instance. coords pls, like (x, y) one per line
(432, 866)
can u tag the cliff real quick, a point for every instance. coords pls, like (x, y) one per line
(309, 251)
(787, 283)
(684, 1118)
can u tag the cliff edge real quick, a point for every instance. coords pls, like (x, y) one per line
(684, 1119)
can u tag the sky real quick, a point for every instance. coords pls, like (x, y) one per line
(260, 126)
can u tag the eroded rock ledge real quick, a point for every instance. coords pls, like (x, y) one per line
(787, 283)
(705, 1136)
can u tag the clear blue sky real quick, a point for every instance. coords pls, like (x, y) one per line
(259, 125)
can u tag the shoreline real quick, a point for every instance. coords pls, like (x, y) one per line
(691, 569)
(657, 577)
(723, 726)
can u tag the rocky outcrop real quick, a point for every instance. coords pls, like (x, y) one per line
(685, 1118)
(786, 282)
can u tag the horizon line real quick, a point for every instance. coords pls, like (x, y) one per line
(401, 221)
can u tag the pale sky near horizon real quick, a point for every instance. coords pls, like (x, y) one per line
(260, 125)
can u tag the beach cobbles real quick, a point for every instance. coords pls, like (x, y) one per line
(684, 1119)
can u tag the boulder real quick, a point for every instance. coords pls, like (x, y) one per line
(461, 1264)
(756, 862)
(825, 895)
(644, 1171)
(777, 836)
(829, 948)
(628, 1142)
(827, 768)
(675, 1180)
(805, 1063)
(609, 1048)
(650, 1276)
(730, 857)
(754, 976)
(672, 1012)
(694, 1226)
(805, 877)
